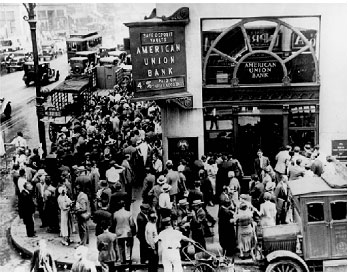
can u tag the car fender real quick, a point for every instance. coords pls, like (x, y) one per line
(286, 254)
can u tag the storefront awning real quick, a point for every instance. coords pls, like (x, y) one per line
(183, 99)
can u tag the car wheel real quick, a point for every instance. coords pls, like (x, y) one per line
(284, 265)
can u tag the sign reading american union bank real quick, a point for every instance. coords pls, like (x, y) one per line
(158, 57)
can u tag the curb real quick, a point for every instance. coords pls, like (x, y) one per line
(67, 265)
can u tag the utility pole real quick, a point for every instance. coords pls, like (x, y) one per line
(40, 109)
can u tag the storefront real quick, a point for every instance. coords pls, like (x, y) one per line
(258, 74)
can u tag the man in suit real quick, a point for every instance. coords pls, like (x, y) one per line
(105, 244)
(117, 197)
(102, 215)
(82, 206)
(85, 182)
(283, 159)
(173, 179)
(40, 189)
(260, 163)
(296, 171)
(142, 220)
(29, 209)
(124, 227)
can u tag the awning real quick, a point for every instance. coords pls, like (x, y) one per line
(183, 99)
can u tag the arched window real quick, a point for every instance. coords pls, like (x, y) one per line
(256, 51)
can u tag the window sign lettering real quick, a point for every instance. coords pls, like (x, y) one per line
(158, 57)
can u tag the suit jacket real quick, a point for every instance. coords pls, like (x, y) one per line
(282, 159)
(85, 182)
(27, 204)
(142, 221)
(115, 200)
(123, 224)
(173, 180)
(105, 245)
(258, 168)
(295, 172)
(39, 195)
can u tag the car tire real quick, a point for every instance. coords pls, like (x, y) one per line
(285, 265)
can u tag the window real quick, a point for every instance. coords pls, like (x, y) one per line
(338, 210)
(60, 13)
(41, 14)
(315, 212)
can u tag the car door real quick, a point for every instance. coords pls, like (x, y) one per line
(316, 228)
(338, 226)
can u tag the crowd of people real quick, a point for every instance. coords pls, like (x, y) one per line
(114, 150)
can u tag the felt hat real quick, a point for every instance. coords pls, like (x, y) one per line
(166, 187)
(61, 188)
(64, 130)
(41, 172)
(197, 202)
(183, 202)
(81, 168)
(161, 180)
(230, 174)
(243, 206)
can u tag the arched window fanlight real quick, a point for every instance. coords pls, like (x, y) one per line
(248, 60)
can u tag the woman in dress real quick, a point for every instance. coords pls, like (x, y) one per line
(66, 224)
(245, 231)
(268, 211)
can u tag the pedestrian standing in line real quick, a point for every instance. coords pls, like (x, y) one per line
(227, 238)
(170, 243)
(83, 215)
(124, 227)
(42, 260)
(66, 224)
(28, 209)
(151, 237)
(102, 215)
(105, 244)
(142, 220)
(81, 263)
(173, 179)
(198, 222)
(40, 189)
(283, 160)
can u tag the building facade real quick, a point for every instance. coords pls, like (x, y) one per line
(262, 76)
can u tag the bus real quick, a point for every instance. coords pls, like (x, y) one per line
(88, 41)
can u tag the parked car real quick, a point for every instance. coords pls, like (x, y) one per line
(316, 239)
(48, 51)
(46, 74)
(17, 59)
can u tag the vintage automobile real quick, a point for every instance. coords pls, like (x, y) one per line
(91, 55)
(104, 51)
(17, 60)
(316, 240)
(46, 74)
(48, 51)
(120, 54)
(78, 65)
(111, 60)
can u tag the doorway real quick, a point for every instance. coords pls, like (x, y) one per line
(258, 131)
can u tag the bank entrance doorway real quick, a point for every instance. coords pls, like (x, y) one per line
(257, 129)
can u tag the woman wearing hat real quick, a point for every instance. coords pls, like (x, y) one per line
(66, 224)
(245, 232)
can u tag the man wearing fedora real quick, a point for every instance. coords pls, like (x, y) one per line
(155, 192)
(164, 203)
(197, 222)
(173, 179)
(142, 220)
(40, 189)
(117, 197)
(260, 163)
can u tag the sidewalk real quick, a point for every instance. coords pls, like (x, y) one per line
(64, 255)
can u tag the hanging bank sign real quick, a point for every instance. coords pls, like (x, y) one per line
(158, 56)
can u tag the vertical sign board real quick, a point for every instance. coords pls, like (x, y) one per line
(339, 149)
(158, 58)
(183, 148)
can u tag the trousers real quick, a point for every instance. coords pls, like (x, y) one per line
(171, 260)
(125, 247)
(83, 231)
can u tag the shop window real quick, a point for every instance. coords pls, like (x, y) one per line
(315, 212)
(302, 116)
(338, 210)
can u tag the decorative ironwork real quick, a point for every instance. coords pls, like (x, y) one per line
(184, 102)
(286, 81)
(181, 14)
(235, 81)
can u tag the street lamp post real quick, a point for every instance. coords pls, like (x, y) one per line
(30, 7)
